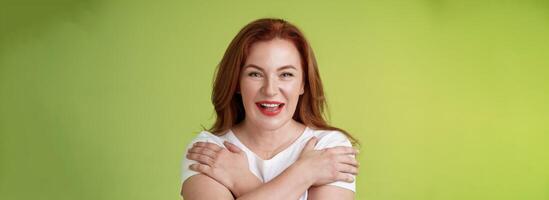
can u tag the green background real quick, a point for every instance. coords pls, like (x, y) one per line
(449, 99)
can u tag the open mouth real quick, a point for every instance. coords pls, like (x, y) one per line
(270, 108)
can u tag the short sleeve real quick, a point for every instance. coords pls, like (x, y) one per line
(333, 139)
(204, 136)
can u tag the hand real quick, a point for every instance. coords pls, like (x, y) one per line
(227, 166)
(328, 165)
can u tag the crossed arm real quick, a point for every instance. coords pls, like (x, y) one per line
(226, 180)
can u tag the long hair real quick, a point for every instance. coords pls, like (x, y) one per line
(228, 105)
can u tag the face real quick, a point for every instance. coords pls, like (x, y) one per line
(271, 82)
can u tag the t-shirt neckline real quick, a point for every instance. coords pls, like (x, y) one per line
(245, 148)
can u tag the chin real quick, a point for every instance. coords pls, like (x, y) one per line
(270, 124)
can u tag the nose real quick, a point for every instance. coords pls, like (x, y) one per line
(270, 87)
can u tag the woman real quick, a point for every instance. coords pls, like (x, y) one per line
(270, 139)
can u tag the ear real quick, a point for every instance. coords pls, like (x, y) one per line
(302, 90)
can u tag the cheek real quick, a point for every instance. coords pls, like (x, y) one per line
(292, 90)
(248, 90)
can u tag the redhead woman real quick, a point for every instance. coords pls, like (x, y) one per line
(270, 139)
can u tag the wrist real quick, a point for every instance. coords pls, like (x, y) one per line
(246, 183)
(303, 171)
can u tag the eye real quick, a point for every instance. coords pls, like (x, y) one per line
(287, 75)
(254, 74)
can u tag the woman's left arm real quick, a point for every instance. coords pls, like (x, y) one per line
(330, 192)
(314, 167)
(226, 166)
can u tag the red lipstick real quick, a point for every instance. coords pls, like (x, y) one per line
(270, 108)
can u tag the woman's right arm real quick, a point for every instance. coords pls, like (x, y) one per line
(290, 184)
(312, 168)
(200, 186)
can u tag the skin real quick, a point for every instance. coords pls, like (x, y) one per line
(272, 72)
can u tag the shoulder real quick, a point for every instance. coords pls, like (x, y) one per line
(320, 133)
(330, 138)
(205, 136)
(343, 190)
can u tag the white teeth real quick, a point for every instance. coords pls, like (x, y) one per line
(269, 105)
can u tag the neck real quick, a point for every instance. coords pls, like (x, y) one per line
(268, 142)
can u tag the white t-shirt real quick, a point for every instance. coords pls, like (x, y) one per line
(266, 170)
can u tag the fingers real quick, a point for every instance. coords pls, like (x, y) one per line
(345, 177)
(350, 169)
(349, 160)
(231, 147)
(344, 155)
(310, 145)
(205, 169)
(209, 145)
(201, 158)
(342, 150)
(205, 151)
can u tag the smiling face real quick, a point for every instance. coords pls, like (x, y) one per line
(270, 83)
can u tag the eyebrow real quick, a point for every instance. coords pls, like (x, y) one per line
(279, 69)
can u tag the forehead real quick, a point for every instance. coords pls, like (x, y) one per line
(273, 54)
